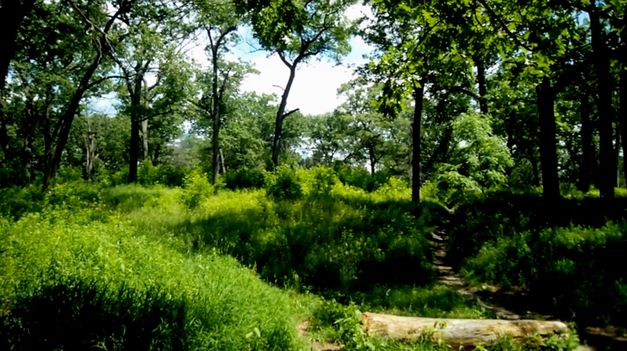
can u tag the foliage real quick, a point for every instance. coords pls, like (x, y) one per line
(196, 188)
(479, 160)
(285, 185)
(560, 267)
(78, 282)
(245, 178)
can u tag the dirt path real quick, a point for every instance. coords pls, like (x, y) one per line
(514, 306)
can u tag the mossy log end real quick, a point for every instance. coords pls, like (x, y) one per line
(457, 332)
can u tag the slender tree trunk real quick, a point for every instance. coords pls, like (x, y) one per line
(145, 140)
(483, 104)
(90, 155)
(133, 158)
(222, 163)
(623, 92)
(607, 165)
(416, 147)
(215, 137)
(372, 156)
(587, 147)
(280, 116)
(548, 143)
(64, 125)
(535, 173)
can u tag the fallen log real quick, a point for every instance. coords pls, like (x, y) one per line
(457, 332)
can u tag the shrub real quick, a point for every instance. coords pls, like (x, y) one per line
(571, 270)
(244, 178)
(17, 201)
(69, 282)
(196, 188)
(285, 185)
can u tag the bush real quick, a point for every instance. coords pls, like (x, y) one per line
(17, 201)
(70, 282)
(196, 188)
(285, 185)
(570, 270)
(245, 179)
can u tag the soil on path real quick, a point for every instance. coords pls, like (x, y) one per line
(514, 305)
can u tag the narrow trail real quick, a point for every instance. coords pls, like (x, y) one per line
(513, 306)
(505, 305)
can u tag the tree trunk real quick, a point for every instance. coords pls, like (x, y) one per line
(416, 147)
(607, 161)
(12, 13)
(133, 154)
(458, 333)
(623, 92)
(587, 147)
(548, 143)
(215, 101)
(144, 136)
(64, 125)
(280, 116)
(371, 155)
(90, 155)
(483, 104)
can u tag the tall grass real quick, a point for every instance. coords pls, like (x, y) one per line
(71, 282)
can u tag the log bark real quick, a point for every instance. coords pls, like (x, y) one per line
(456, 332)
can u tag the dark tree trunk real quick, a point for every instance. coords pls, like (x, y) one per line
(372, 156)
(416, 147)
(607, 160)
(483, 104)
(63, 127)
(280, 116)
(12, 13)
(623, 92)
(548, 143)
(217, 116)
(133, 154)
(135, 90)
(587, 148)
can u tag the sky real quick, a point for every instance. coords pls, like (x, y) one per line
(314, 90)
(315, 86)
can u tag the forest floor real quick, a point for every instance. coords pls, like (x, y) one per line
(514, 304)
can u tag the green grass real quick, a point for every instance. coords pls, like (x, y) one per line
(104, 269)
(134, 268)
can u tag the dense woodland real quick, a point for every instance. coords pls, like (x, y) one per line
(195, 215)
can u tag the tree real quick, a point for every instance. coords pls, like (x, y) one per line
(408, 37)
(297, 31)
(220, 22)
(149, 60)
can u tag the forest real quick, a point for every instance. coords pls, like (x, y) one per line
(474, 170)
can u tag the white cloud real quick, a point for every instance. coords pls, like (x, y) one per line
(315, 86)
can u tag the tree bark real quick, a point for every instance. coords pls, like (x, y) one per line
(623, 92)
(457, 332)
(588, 159)
(217, 115)
(64, 124)
(483, 104)
(144, 136)
(12, 14)
(280, 116)
(134, 91)
(416, 143)
(607, 160)
(548, 143)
